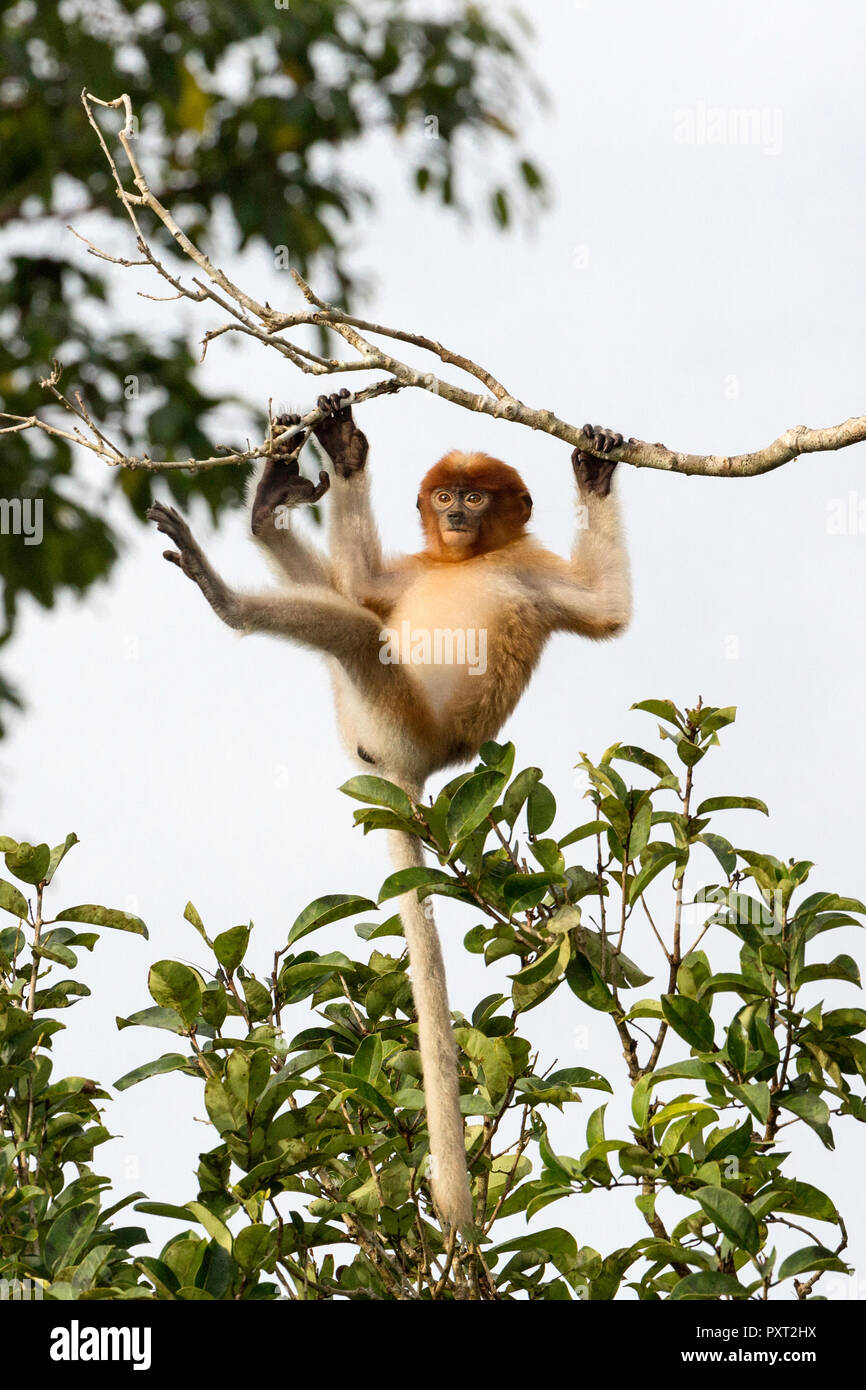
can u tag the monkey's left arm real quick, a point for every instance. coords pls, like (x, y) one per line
(591, 595)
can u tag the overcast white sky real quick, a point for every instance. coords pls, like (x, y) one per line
(705, 295)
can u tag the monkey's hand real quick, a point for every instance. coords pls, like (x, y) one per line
(593, 471)
(281, 483)
(190, 558)
(339, 436)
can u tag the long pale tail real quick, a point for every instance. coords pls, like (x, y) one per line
(449, 1176)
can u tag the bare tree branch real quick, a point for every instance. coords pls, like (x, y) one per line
(273, 328)
(111, 453)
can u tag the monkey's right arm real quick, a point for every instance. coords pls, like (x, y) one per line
(355, 548)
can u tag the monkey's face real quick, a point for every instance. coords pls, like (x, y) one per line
(460, 513)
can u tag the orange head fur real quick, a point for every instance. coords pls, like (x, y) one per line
(503, 520)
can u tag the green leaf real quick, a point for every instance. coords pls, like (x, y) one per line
(214, 1005)
(729, 803)
(230, 947)
(492, 1054)
(367, 1061)
(69, 1233)
(155, 1017)
(669, 1252)
(247, 1075)
(662, 709)
(629, 753)
(405, 880)
(580, 1076)
(811, 1257)
(689, 753)
(328, 909)
(215, 1228)
(258, 999)
(540, 809)
(191, 915)
(722, 849)
(517, 793)
(473, 802)
(557, 1245)
(175, 986)
(593, 827)
(164, 1209)
(88, 1269)
(646, 1008)
(711, 719)
(678, 1108)
(103, 917)
(802, 1199)
(13, 900)
(369, 931)
(363, 1091)
(640, 1100)
(813, 1110)
(708, 1284)
(170, 1061)
(584, 981)
(755, 1097)
(252, 1246)
(650, 869)
(224, 1112)
(731, 1216)
(738, 984)
(498, 755)
(840, 968)
(58, 853)
(527, 890)
(30, 863)
(613, 966)
(56, 951)
(376, 791)
(164, 1280)
(550, 962)
(687, 1018)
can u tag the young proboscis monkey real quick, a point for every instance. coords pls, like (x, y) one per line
(406, 706)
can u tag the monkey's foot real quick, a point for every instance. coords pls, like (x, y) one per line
(339, 436)
(188, 557)
(288, 442)
(594, 473)
(281, 483)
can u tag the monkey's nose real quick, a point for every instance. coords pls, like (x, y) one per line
(455, 516)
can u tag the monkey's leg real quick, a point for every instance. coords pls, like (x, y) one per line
(190, 558)
(314, 616)
(278, 491)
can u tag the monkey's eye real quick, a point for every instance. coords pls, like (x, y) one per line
(443, 498)
(474, 499)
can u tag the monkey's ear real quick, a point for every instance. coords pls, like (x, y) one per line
(418, 502)
(527, 502)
